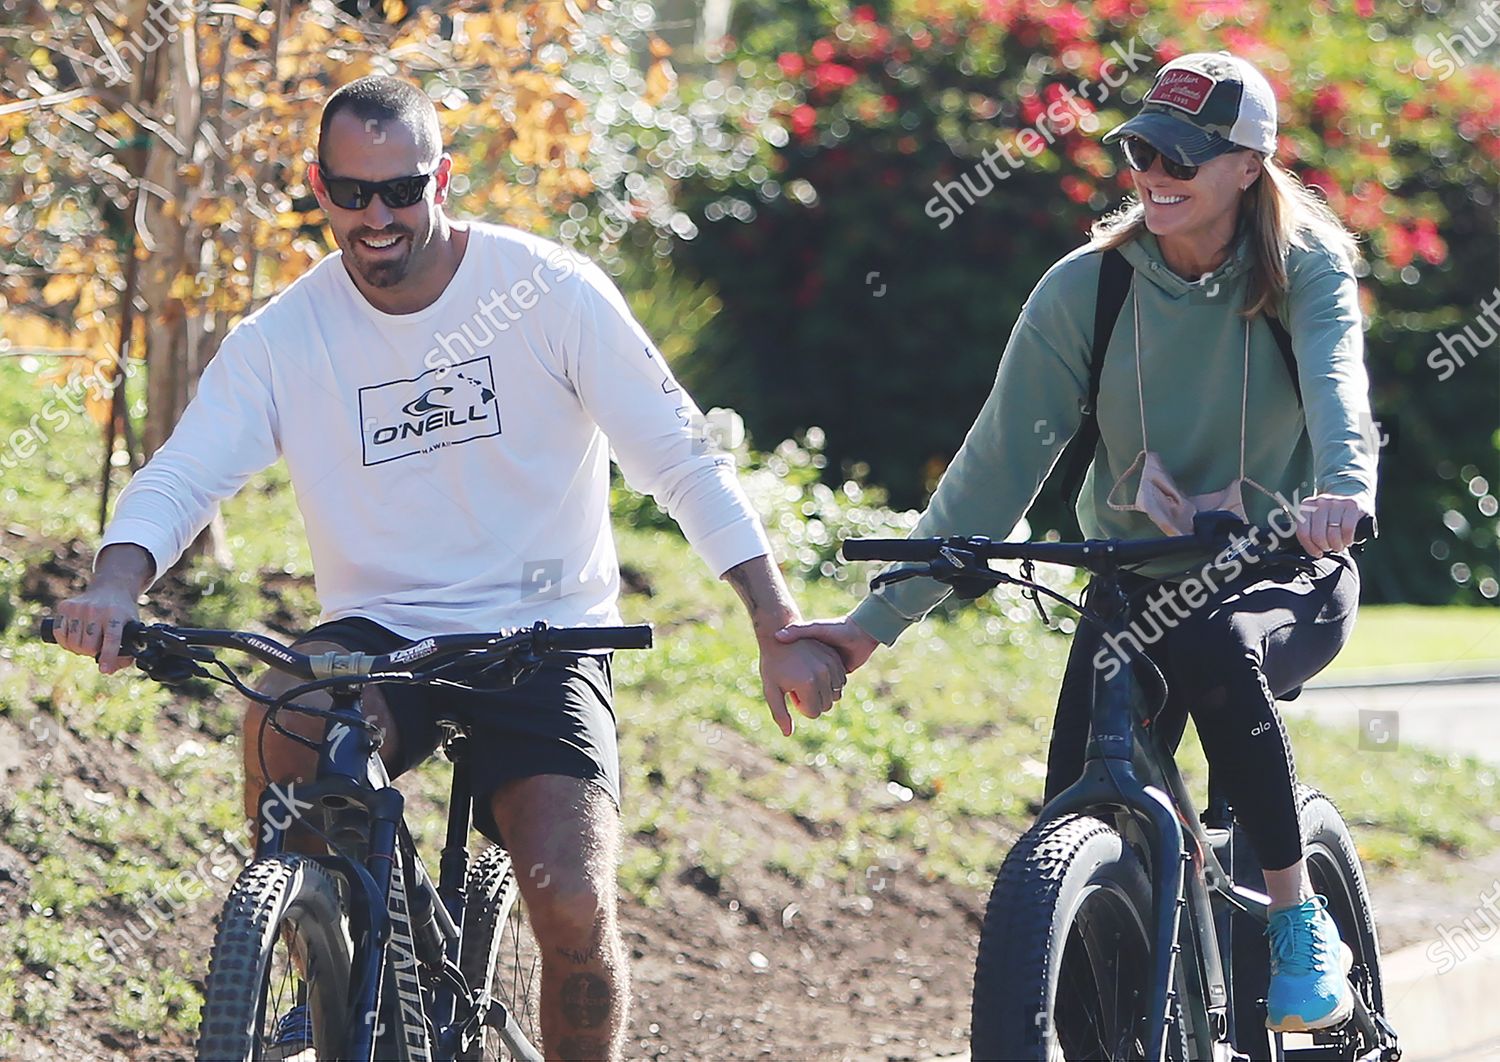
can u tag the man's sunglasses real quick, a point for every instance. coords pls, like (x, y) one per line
(1140, 155)
(350, 194)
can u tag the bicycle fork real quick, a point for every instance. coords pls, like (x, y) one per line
(1110, 780)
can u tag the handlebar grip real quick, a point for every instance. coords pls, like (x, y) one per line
(890, 549)
(44, 631)
(582, 639)
(1366, 529)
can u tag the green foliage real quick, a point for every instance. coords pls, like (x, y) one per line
(857, 298)
(805, 518)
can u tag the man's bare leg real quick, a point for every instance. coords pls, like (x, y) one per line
(570, 830)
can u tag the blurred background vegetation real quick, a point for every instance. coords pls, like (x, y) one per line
(756, 176)
(759, 176)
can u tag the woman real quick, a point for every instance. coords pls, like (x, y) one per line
(1194, 392)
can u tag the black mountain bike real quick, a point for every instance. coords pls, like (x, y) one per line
(382, 959)
(1080, 946)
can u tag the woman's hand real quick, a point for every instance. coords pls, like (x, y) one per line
(1326, 523)
(851, 641)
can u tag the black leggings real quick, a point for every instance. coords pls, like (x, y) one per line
(1253, 640)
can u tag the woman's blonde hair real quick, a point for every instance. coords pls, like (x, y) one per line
(1281, 213)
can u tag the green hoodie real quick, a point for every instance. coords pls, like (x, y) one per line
(1192, 374)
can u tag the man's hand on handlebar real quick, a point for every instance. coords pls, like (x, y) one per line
(91, 623)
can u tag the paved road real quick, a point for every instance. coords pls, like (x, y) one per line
(1449, 716)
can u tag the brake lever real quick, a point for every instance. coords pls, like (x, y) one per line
(886, 578)
(957, 568)
(169, 668)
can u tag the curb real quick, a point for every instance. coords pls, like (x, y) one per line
(1439, 1016)
(1402, 675)
(1445, 1015)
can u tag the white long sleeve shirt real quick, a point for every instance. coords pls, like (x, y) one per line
(451, 465)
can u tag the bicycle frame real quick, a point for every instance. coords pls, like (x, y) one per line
(1128, 769)
(363, 813)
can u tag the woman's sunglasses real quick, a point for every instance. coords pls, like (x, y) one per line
(1140, 155)
(398, 192)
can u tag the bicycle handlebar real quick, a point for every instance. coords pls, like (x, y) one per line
(182, 641)
(1209, 534)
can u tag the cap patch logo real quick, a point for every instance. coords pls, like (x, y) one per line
(1187, 90)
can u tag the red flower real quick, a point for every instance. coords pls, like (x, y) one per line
(891, 102)
(791, 64)
(1329, 102)
(1365, 8)
(1398, 247)
(864, 13)
(1066, 23)
(834, 76)
(804, 120)
(1428, 243)
(1000, 12)
(1076, 189)
(822, 51)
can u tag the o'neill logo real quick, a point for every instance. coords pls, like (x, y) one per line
(444, 406)
(425, 404)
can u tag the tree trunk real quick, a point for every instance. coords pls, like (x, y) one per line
(178, 342)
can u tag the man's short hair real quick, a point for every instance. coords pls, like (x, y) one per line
(384, 99)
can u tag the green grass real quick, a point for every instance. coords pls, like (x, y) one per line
(930, 766)
(1414, 635)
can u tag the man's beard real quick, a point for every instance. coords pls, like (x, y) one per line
(383, 273)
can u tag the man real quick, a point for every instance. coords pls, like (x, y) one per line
(446, 396)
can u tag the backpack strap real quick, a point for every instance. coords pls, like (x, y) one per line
(1284, 344)
(1115, 276)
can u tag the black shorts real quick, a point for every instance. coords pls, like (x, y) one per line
(559, 721)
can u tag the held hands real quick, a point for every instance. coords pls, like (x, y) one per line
(846, 637)
(1326, 523)
(810, 674)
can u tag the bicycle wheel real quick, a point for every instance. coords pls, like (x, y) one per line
(1334, 870)
(1335, 873)
(282, 940)
(1064, 952)
(498, 950)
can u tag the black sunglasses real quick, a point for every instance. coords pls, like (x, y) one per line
(1140, 155)
(350, 194)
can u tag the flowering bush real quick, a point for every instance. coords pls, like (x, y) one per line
(870, 265)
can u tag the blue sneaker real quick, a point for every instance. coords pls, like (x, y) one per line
(1309, 989)
(293, 1035)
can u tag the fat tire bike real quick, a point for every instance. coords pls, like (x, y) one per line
(387, 964)
(1122, 925)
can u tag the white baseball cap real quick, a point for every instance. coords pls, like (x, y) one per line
(1202, 105)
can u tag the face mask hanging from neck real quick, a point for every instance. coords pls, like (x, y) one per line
(1157, 494)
